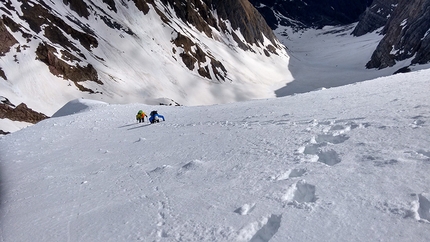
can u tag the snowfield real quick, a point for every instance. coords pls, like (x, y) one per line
(342, 164)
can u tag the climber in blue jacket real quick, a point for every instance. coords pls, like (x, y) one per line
(154, 117)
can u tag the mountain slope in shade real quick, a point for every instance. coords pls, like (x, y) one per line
(310, 13)
(376, 16)
(406, 36)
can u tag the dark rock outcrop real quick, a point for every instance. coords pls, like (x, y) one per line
(407, 35)
(58, 67)
(240, 13)
(79, 6)
(245, 17)
(58, 32)
(21, 113)
(6, 39)
(376, 16)
(310, 13)
(198, 13)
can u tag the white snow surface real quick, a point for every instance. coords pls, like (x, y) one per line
(342, 164)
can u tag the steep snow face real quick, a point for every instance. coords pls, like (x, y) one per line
(350, 162)
(132, 51)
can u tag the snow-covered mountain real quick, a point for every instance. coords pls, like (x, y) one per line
(342, 164)
(193, 52)
(197, 52)
(405, 24)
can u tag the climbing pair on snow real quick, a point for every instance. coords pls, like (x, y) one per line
(154, 117)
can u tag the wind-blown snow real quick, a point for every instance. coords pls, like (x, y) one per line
(342, 164)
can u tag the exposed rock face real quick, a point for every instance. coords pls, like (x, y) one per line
(21, 113)
(6, 42)
(60, 68)
(244, 16)
(407, 34)
(38, 15)
(376, 16)
(241, 14)
(43, 20)
(18, 113)
(6, 39)
(310, 13)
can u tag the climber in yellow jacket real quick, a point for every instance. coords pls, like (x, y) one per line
(140, 116)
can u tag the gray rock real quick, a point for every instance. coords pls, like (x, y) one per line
(407, 34)
(376, 16)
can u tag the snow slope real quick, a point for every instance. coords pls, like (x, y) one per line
(331, 57)
(142, 66)
(341, 164)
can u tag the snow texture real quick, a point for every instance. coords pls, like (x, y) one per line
(342, 164)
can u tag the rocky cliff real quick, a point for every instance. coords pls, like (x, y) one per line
(406, 35)
(404, 24)
(43, 20)
(376, 16)
(310, 13)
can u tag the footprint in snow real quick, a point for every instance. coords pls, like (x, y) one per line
(421, 208)
(301, 194)
(418, 121)
(192, 165)
(329, 138)
(424, 153)
(380, 162)
(292, 173)
(329, 157)
(160, 169)
(260, 231)
(245, 209)
(333, 133)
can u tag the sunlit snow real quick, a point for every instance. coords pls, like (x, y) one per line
(342, 164)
